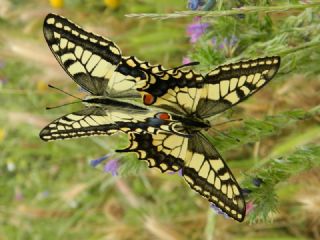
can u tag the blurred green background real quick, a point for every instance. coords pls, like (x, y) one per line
(50, 191)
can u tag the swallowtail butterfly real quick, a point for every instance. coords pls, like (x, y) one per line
(193, 98)
(96, 64)
(170, 140)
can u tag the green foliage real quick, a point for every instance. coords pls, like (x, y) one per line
(274, 173)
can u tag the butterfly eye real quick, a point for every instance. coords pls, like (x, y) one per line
(163, 116)
(148, 99)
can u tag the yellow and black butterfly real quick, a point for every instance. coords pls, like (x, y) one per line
(192, 98)
(170, 140)
(96, 64)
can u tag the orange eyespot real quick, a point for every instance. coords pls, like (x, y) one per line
(163, 116)
(148, 99)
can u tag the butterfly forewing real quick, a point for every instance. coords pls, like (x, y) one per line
(230, 84)
(105, 120)
(89, 59)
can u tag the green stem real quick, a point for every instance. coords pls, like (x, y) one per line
(211, 222)
(235, 11)
(298, 48)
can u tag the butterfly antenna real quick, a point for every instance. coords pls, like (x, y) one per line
(224, 134)
(60, 90)
(65, 104)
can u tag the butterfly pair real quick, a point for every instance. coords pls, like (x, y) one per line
(171, 138)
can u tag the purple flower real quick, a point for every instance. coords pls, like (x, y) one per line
(196, 30)
(249, 207)
(112, 167)
(18, 195)
(96, 162)
(234, 40)
(218, 210)
(229, 45)
(186, 60)
(179, 172)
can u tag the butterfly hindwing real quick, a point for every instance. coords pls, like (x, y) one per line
(132, 73)
(227, 85)
(206, 172)
(164, 150)
(202, 167)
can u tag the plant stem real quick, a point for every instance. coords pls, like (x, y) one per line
(235, 11)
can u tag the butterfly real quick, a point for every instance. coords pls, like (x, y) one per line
(97, 65)
(171, 139)
(95, 62)
(193, 98)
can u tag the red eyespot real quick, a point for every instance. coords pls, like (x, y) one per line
(148, 99)
(163, 116)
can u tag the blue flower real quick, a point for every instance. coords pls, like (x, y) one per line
(98, 161)
(112, 167)
(214, 41)
(257, 181)
(201, 4)
(194, 4)
(229, 45)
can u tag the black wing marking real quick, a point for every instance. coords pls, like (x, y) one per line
(202, 167)
(227, 85)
